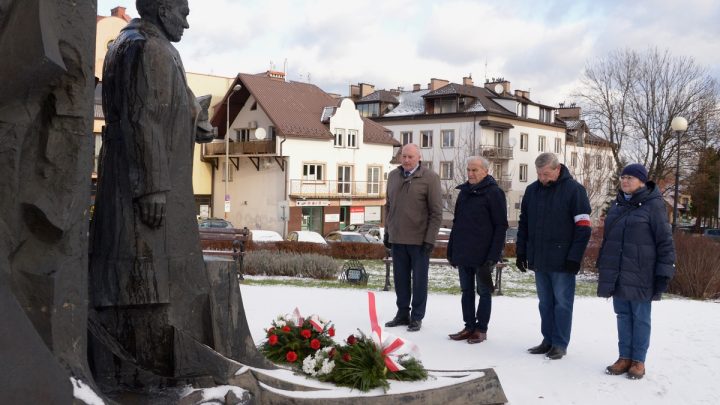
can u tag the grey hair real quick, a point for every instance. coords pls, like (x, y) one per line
(483, 162)
(547, 159)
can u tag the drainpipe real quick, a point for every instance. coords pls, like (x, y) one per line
(285, 193)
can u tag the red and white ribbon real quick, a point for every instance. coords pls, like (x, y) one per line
(388, 343)
(315, 321)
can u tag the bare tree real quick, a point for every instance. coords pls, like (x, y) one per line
(629, 99)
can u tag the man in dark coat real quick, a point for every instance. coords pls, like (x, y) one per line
(553, 233)
(476, 244)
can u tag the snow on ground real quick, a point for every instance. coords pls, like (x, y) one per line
(683, 363)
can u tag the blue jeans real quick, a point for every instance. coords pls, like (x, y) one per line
(633, 324)
(474, 320)
(556, 292)
(410, 261)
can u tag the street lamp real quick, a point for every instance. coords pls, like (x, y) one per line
(237, 87)
(679, 125)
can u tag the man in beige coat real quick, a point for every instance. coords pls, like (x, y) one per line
(413, 212)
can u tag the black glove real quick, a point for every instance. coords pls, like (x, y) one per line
(572, 266)
(428, 248)
(661, 285)
(449, 259)
(386, 240)
(484, 276)
(521, 262)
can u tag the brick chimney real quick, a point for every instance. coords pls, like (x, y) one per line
(119, 12)
(366, 89)
(276, 75)
(416, 87)
(468, 81)
(437, 83)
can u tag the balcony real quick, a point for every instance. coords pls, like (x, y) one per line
(246, 148)
(492, 152)
(333, 189)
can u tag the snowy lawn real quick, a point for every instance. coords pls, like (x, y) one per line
(683, 363)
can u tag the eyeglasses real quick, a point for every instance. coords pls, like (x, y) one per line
(627, 178)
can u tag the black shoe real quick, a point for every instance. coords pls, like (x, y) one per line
(414, 326)
(397, 322)
(556, 353)
(542, 348)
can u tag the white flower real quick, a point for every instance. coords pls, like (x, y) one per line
(327, 367)
(280, 323)
(309, 365)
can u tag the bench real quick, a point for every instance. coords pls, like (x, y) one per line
(443, 262)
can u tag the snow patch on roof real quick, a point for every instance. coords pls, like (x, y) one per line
(411, 103)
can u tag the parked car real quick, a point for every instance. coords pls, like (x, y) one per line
(378, 233)
(511, 235)
(306, 236)
(259, 235)
(215, 223)
(712, 233)
(345, 236)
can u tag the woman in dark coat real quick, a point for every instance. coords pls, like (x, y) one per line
(635, 264)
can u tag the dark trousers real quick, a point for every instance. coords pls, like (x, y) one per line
(410, 262)
(556, 292)
(474, 320)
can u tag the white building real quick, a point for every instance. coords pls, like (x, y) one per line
(299, 158)
(451, 121)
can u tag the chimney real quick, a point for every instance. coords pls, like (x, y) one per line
(276, 75)
(468, 81)
(366, 89)
(572, 112)
(416, 87)
(518, 93)
(493, 85)
(354, 92)
(437, 83)
(119, 12)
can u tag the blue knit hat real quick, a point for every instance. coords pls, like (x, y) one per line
(636, 170)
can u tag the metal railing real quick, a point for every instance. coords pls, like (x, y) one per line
(336, 189)
(496, 152)
(240, 148)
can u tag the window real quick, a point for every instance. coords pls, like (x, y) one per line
(446, 170)
(271, 132)
(541, 144)
(406, 138)
(586, 163)
(344, 183)
(369, 110)
(523, 173)
(352, 138)
(545, 115)
(558, 145)
(611, 187)
(447, 138)
(497, 170)
(313, 171)
(426, 139)
(598, 162)
(427, 165)
(610, 162)
(523, 111)
(498, 138)
(447, 105)
(573, 159)
(339, 137)
(373, 180)
(524, 142)
(242, 135)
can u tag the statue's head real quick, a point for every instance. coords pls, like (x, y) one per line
(169, 15)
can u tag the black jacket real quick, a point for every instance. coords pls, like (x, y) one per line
(478, 231)
(637, 246)
(554, 223)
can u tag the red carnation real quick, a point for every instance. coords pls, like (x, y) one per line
(291, 356)
(351, 340)
(286, 328)
(271, 330)
(346, 357)
(331, 332)
(273, 339)
(306, 333)
(315, 344)
(332, 353)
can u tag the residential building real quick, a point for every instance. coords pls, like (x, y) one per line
(451, 121)
(299, 158)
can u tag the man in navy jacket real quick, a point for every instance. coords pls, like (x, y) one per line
(553, 233)
(476, 244)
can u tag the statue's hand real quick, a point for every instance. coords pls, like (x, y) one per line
(152, 209)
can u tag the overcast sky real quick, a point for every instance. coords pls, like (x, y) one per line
(538, 45)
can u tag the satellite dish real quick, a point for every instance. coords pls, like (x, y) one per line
(260, 133)
(499, 89)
